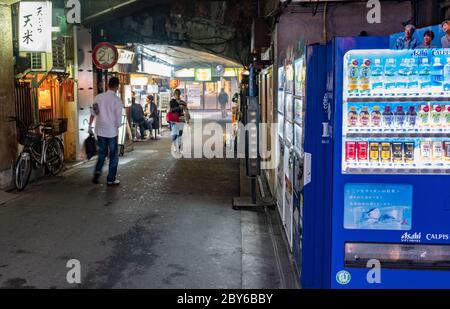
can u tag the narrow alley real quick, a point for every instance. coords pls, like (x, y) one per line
(169, 225)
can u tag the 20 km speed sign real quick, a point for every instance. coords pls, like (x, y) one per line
(105, 56)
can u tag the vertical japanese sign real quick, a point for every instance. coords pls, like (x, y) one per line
(35, 26)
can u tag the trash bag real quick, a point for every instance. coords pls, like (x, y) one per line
(91, 146)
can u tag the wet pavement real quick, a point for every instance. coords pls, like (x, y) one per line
(169, 225)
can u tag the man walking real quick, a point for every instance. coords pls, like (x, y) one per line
(107, 110)
(223, 101)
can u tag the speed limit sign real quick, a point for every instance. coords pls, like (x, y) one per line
(105, 56)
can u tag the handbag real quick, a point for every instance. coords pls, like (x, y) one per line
(91, 146)
(172, 117)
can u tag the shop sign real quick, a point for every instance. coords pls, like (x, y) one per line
(232, 72)
(125, 56)
(185, 73)
(35, 26)
(203, 75)
(73, 12)
(137, 80)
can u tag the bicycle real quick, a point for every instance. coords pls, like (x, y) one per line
(41, 149)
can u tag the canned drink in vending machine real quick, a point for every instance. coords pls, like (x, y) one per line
(363, 151)
(425, 150)
(397, 150)
(447, 151)
(374, 153)
(437, 151)
(350, 151)
(386, 152)
(409, 152)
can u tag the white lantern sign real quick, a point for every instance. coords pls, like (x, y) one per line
(35, 26)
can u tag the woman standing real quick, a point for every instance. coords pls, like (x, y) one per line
(177, 106)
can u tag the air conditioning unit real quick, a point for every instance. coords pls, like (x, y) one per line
(38, 61)
(59, 55)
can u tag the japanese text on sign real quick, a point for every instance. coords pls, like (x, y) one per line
(35, 26)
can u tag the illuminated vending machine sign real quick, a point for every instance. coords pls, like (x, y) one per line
(35, 26)
(397, 112)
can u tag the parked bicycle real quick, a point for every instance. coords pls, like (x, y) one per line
(42, 148)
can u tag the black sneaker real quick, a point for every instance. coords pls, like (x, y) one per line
(96, 178)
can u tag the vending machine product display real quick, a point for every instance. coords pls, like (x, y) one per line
(396, 112)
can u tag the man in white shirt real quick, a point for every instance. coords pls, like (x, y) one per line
(107, 110)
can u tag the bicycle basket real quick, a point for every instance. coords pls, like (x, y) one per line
(59, 126)
(27, 137)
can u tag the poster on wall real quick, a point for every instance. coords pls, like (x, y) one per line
(437, 36)
(299, 76)
(290, 78)
(281, 78)
(194, 96)
(35, 26)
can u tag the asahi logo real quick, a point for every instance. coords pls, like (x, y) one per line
(416, 237)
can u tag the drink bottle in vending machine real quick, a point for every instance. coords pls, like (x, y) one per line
(437, 115)
(364, 77)
(353, 75)
(447, 116)
(352, 119)
(411, 118)
(376, 117)
(399, 117)
(388, 117)
(377, 75)
(364, 117)
(424, 116)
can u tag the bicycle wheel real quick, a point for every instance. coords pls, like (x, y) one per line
(23, 170)
(54, 156)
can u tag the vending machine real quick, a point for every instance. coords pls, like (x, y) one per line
(385, 166)
(392, 167)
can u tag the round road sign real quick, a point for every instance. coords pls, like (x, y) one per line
(105, 56)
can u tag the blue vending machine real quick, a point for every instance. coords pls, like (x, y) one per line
(391, 185)
(377, 166)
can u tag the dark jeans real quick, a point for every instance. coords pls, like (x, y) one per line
(145, 125)
(108, 146)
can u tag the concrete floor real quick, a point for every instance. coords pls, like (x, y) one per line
(169, 225)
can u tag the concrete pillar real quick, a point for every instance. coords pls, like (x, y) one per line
(8, 144)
